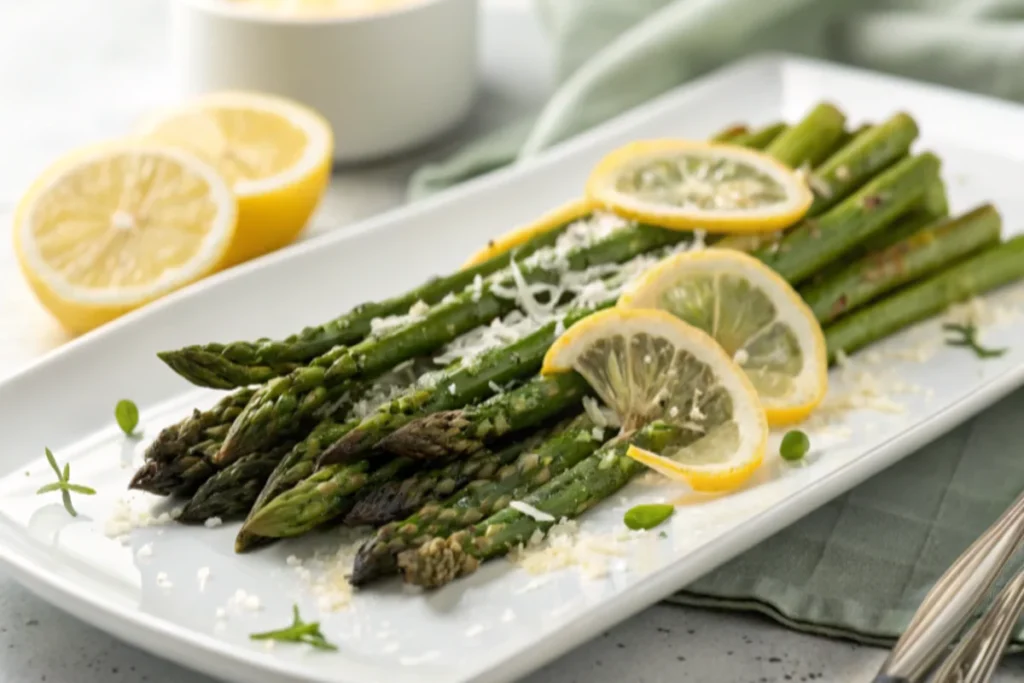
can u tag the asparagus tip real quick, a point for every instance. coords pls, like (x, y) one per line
(437, 562)
(431, 437)
(143, 478)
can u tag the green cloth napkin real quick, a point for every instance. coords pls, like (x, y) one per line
(615, 54)
(859, 566)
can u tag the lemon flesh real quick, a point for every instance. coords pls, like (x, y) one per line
(688, 185)
(106, 230)
(275, 153)
(648, 365)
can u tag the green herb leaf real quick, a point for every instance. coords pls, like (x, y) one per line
(64, 485)
(127, 415)
(794, 446)
(969, 339)
(647, 516)
(298, 632)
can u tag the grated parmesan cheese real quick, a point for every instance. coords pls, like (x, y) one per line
(125, 518)
(246, 601)
(381, 326)
(594, 412)
(695, 412)
(202, 576)
(145, 551)
(531, 511)
(566, 546)
(163, 581)
(213, 522)
(741, 356)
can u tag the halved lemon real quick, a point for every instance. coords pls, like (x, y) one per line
(556, 218)
(698, 185)
(649, 365)
(275, 153)
(113, 226)
(754, 314)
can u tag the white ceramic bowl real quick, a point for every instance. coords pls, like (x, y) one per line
(386, 81)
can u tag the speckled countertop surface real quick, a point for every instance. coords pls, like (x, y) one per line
(104, 60)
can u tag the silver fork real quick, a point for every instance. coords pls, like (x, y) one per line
(952, 600)
(976, 657)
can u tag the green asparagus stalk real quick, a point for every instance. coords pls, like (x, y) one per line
(925, 215)
(760, 138)
(987, 270)
(860, 159)
(478, 500)
(332, 491)
(285, 400)
(456, 388)
(872, 151)
(920, 254)
(230, 493)
(398, 498)
(460, 433)
(440, 560)
(298, 464)
(907, 225)
(730, 133)
(324, 495)
(811, 139)
(815, 243)
(223, 366)
(180, 458)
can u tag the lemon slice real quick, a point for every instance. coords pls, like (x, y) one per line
(649, 365)
(109, 228)
(697, 185)
(567, 213)
(275, 153)
(754, 314)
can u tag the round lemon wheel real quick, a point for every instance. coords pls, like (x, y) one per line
(691, 185)
(649, 365)
(275, 153)
(758, 319)
(567, 213)
(109, 228)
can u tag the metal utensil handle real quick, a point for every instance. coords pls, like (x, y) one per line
(952, 600)
(976, 657)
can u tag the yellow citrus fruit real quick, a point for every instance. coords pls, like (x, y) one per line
(567, 213)
(275, 153)
(649, 365)
(111, 227)
(760, 321)
(691, 185)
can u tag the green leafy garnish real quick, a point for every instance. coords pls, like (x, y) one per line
(795, 445)
(969, 338)
(647, 516)
(64, 485)
(298, 632)
(127, 415)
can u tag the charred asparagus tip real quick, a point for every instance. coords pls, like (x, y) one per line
(430, 437)
(143, 478)
(436, 563)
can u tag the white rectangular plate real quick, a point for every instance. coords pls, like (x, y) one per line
(501, 622)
